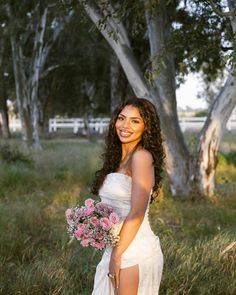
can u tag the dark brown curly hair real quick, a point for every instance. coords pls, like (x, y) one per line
(151, 140)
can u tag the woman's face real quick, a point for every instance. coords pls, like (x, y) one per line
(129, 125)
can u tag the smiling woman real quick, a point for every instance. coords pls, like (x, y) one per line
(129, 126)
(128, 181)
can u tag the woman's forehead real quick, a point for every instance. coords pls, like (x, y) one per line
(130, 111)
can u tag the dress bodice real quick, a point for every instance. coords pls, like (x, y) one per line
(116, 192)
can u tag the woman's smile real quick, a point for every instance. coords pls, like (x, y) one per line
(125, 133)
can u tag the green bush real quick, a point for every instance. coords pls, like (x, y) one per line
(201, 114)
(12, 154)
(231, 158)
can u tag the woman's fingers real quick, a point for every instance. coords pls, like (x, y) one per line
(117, 280)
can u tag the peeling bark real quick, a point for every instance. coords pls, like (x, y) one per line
(3, 96)
(210, 137)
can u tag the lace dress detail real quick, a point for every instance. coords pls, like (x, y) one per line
(144, 250)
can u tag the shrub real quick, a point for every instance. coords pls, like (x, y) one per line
(12, 154)
(231, 158)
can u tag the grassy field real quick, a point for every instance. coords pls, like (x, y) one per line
(35, 257)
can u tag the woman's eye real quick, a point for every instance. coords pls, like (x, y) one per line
(120, 118)
(135, 121)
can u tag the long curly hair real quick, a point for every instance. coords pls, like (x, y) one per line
(151, 140)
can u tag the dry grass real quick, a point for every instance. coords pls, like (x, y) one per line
(35, 257)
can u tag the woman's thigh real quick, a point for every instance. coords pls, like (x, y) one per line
(129, 280)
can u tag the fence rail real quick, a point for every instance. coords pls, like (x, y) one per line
(99, 125)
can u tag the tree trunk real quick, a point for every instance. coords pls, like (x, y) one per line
(206, 157)
(210, 137)
(163, 75)
(4, 113)
(118, 83)
(27, 71)
(21, 95)
(3, 93)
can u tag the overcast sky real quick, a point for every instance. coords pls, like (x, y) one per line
(187, 94)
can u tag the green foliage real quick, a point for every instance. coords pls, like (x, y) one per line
(12, 154)
(222, 159)
(201, 114)
(35, 257)
(231, 158)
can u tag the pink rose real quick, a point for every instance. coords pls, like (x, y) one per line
(79, 231)
(99, 236)
(105, 223)
(114, 218)
(100, 206)
(94, 220)
(100, 245)
(88, 211)
(85, 242)
(89, 203)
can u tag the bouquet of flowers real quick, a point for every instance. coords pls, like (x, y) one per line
(93, 224)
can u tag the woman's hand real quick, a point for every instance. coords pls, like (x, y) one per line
(114, 269)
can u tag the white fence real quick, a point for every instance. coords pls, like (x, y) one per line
(99, 125)
(196, 123)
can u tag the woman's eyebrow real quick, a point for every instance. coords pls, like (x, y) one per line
(130, 117)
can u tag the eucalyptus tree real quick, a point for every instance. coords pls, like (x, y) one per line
(188, 173)
(3, 87)
(33, 29)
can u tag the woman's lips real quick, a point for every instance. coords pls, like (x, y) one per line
(125, 133)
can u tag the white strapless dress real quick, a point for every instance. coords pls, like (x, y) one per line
(144, 250)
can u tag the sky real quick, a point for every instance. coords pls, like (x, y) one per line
(187, 94)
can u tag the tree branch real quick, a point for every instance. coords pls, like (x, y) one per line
(220, 12)
(121, 45)
(48, 70)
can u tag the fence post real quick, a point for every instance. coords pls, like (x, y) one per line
(75, 126)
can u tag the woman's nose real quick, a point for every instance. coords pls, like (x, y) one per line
(126, 124)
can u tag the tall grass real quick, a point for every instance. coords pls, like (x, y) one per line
(35, 257)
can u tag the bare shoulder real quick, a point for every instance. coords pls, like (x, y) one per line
(142, 156)
(142, 159)
(142, 168)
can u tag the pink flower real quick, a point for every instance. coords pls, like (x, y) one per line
(99, 236)
(100, 206)
(94, 220)
(69, 214)
(79, 231)
(114, 218)
(85, 242)
(100, 245)
(88, 211)
(105, 223)
(89, 203)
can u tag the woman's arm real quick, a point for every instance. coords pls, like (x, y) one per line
(142, 183)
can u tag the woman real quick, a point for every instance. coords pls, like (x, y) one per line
(129, 179)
